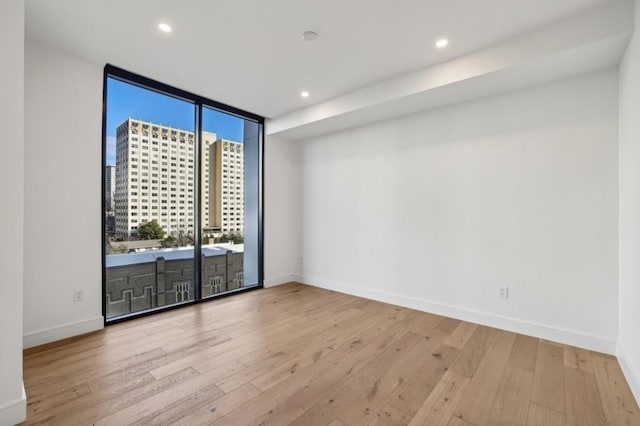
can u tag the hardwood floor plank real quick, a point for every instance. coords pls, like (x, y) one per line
(542, 416)
(577, 358)
(196, 337)
(304, 354)
(425, 323)
(584, 407)
(461, 335)
(90, 410)
(366, 407)
(295, 354)
(512, 403)
(525, 352)
(143, 393)
(179, 408)
(442, 402)
(289, 399)
(220, 407)
(457, 421)
(44, 401)
(281, 373)
(548, 379)
(362, 384)
(483, 388)
(620, 407)
(63, 378)
(231, 350)
(410, 397)
(148, 406)
(389, 416)
(58, 413)
(448, 325)
(473, 351)
(98, 381)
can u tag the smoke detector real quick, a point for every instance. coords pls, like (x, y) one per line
(310, 35)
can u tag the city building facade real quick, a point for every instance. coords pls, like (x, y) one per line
(110, 188)
(226, 188)
(142, 281)
(155, 180)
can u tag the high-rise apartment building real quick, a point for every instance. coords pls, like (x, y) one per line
(155, 180)
(110, 188)
(154, 177)
(226, 188)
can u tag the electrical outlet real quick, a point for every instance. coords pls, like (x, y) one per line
(78, 296)
(503, 292)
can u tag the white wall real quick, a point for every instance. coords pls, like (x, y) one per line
(63, 112)
(282, 216)
(436, 210)
(12, 402)
(629, 328)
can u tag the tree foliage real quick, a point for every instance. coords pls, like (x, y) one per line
(116, 249)
(169, 242)
(150, 231)
(178, 238)
(232, 237)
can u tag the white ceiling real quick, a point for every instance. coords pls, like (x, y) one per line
(587, 41)
(250, 53)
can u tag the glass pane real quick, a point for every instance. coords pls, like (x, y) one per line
(224, 201)
(252, 166)
(149, 200)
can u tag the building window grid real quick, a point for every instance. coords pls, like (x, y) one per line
(183, 162)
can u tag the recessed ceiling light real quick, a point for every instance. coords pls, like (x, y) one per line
(443, 42)
(310, 35)
(165, 28)
(304, 94)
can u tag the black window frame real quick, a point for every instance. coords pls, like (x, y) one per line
(200, 102)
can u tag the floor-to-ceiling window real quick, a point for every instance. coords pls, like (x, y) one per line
(182, 197)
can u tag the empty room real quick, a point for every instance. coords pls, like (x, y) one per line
(365, 212)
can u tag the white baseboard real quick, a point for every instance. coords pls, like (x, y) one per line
(282, 279)
(632, 376)
(40, 337)
(568, 337)
(14, 412)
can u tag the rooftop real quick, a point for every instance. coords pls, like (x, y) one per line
(179, 253)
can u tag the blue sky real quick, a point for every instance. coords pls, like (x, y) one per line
(126, 100)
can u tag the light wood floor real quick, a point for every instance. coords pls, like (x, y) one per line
(305, 356)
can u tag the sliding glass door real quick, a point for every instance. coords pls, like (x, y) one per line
(182, 197)
(229, 200)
